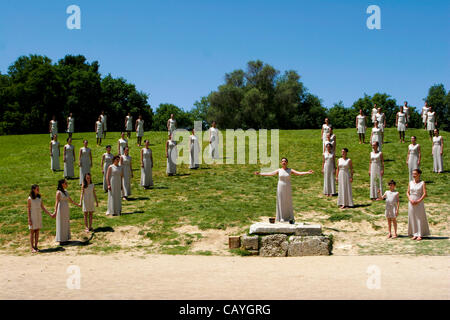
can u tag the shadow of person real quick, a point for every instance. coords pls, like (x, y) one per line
(362, 205)
(435, 238)
(77, 243)
(103, 229)
(51, 250)
(138, 198)
(134, 212)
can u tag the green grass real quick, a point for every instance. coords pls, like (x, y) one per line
(213, 197)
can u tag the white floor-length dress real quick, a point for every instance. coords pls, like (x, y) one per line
(71, 126)
(54, 159)
(106, 163)
(376, 137)
(69, 171)
(374, 115)
(417, 218)
(329, 184)
(172, 158)
(129, 126)
(85, 161)
(89, 199)
(63, 218)
(413, 158)
(214, 145)
(122, 144)
(99, 129)
(54, 128)
(285, 210)
(194, 152)
(376, 180)
(431, 121)
(172, 126)
(437, 157)
(115, 194)
(140, 128)
(146, 171)
(424, 114)
(345, 196)
(126, 171)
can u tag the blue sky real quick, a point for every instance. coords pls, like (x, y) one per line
(179, 51)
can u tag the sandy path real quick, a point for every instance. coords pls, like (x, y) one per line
(214, 277)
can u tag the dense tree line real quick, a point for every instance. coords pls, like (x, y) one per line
(35, 89)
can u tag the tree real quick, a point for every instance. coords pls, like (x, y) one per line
(438, 98)
(340, 116)
(162, 114)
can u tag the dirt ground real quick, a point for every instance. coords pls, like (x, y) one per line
(127, 276)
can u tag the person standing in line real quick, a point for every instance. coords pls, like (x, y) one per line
(128, 125)
(35, 207)
(171, 124)
(194, 149)
(332, 139)
(53, 127)
(104, 124)
(62, 212)
(344, 177)
(139, 130)
(121, 144)
(285, 209)
(87, 198)
(54, 153)
(361, 126)
(114, 179)
(414, 156)
(70, 125)
(381, 118)
(417, 218)
(84, 160)
(331, 142)
(99, 130)
(375, 135)
(406, 110)
(328, 170)
(373, 116)
(438, 151)
(214, 141)
(431, 121)
(323, 133)
(127, 173)
(146, 166)
(107, 160)
(392, 207)
(424, 112)
(69, 159)
(376, 171)
(400, 123)
(171, 155)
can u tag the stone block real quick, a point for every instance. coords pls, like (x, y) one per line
(309, 246)
(275, 245)
(250, 242)
(298, 229)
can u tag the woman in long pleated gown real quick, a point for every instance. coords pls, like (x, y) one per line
(285, 210)
(146, 166)
(69, 159)
(417, 218)
(344, 176)
(63, 212)
(414, 156)
(114, 180)
(122, 143)
(376, 172)
(438, 151)
(194, 149)
(171, 155)
(54, 153)
(127, 173)
(328, 169)
(84, 161)
(107, 160)
(376, 135)
(53, 127)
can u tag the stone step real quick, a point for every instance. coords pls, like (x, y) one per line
(298, 229)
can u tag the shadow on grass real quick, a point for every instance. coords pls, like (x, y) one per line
(428, 182)
(138, 198)
(103, 229)
(435, 238)
(51, 250)
(134, 212)
(362, 205)
(389, 160)
(77, 243)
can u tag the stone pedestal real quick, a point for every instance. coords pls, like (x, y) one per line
(283, 239)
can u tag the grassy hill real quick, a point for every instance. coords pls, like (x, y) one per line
(199, 207)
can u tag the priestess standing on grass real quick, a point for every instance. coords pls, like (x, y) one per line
(285, 210)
